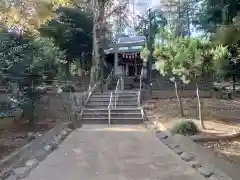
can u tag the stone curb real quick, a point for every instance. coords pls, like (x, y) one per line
(26, 152)
(40, 155)
(189, 158)
(167, 138)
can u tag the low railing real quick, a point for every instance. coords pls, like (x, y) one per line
(109, 109)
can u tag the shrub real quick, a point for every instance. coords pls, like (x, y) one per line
(68, 88)
(186, 128)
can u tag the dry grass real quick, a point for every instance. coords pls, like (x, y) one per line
(221, 117)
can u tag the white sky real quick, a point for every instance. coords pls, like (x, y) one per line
(154, 3)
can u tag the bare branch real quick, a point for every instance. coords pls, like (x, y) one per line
(116, 9)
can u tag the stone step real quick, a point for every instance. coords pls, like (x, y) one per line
(128, 98)
(117, 110)
(104, 93)
(91, 99)
(104, 97)
(126, 95)
(113, 120)
(119, 96)
(134, 88)
(113, 115)
(122, 92)
(119, 101)
(100, 95)
(100, 103)
(91, 106)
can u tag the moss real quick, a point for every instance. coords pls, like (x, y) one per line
(186, 128)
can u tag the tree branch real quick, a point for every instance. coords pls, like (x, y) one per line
(119, 7)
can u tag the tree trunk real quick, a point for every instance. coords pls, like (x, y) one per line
(98, 52)
(234, 84)
(199, 107)
(179, 99)
(101, 21)
(68, 64)
(150, 48)
(188, 21)
(96, 42)
(93, 68)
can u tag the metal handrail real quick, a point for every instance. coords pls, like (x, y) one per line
(116, 92)
(140, 88)
(122, 83)
(108, 80)
(109, 109)
(89, 93)
(143, 115)
(139, 98)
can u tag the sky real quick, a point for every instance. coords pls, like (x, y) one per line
(152, 4)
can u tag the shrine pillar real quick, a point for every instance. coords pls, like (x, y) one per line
(127, 68)
(135, 67)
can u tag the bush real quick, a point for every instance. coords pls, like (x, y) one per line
(68, 88)
(186, 128)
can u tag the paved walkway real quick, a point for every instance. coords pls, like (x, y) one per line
(120, 153)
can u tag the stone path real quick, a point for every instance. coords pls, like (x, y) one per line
(116, 153)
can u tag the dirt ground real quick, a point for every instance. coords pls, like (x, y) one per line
(16, 136)
(221, 117)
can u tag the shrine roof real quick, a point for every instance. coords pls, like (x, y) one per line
(131, 41)
(124, 50)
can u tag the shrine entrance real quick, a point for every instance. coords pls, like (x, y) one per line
(131, 63)
(124, 56)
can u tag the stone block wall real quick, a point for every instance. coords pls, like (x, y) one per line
(54, 105)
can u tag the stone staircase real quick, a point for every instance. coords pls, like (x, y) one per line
(130, 83)
(126, 111)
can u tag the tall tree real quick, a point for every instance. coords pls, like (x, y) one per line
(72, 32)
(229, 35)
(189, 59)
(214, 13)
(28, 62)
(27, 16)
(156, 18)
(181, 14)
(100, 16)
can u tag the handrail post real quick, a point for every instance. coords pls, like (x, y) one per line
(109, 116)
(116, 93)
(138, 98)
(140, 88)
(121, 83)
(115, 99)
(109, 109)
